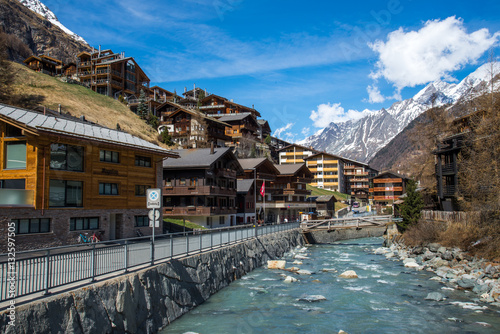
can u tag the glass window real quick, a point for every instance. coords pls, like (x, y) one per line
(13, 184)
(65, 193)
(34, 225)
(66, 157)
(169, 182)
(141, 221)
(182, 181)
(15, 155)
(109, 156)
(83, 223)
(108, 188)
(140, 190)
(142, 161)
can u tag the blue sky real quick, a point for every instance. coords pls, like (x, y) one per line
(302, 64)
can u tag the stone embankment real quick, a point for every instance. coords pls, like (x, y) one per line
(453, 267)
(148, 300)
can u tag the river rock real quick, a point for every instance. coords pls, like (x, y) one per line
(409, 260)
(276, 264)
(312, 298)
(428, 255)
(441, 250)
(413, 265)
(433, 247)
(293, 269)
(435, 296)
(329, 270)
(290, 279)
(418, 250)
(303, 272)
(381, 250)
(466, 283)
(349, 274)
(297, 262)
(300, 257)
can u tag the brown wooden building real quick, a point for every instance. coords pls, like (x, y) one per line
(61, 177)
(201, 186)
(215, 105)
(45, 64)
(387, 187)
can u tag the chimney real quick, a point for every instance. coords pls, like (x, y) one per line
(82, 118)
(185, 89)
(59, 109)
(212, 148)
(99, 51)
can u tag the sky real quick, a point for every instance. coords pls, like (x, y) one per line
(301, 64)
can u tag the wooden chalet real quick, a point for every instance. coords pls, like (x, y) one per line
(263, 171)
(290, 192)
(45, 64)
(264, 129)
(201, 186)
(357, 179)
(215, 105)
(61, 177)
(325, 206)
(245, 200)
(112, 74)
(243, 125)
(387, 187)
(190, 128)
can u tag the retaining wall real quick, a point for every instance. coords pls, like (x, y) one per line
(148, 300)
(328, 237)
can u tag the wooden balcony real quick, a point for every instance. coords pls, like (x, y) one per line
(292, 191)
(358, 180)
(198, 211)
(364, 186)
(386, 189)
(387, 180)
(198, 191)
(356, 173)
(385, 198)
(226, 173)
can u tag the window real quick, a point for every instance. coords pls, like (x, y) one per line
(34, 225)
(167, 201)
(15, 153)
(66, 157)
(182, 181)
(108, 188)
(222, 220)
(193, 181)
(83, 223)
(141, 221)
(65, 193)
(169, 182)
(140, 190)
(108, 156)
(142, 161)
(13, 184)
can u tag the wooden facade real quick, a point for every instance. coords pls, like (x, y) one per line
(214, 105)
(295, 154)
(387, 187)
(65, 179)
(357, 179)
(45, 64)
(201, 186)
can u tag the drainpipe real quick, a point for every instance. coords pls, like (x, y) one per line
(43, 182)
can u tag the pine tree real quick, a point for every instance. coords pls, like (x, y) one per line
(412, 206)
(142, 108)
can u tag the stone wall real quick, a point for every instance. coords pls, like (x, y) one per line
(327, 237)
(148, 300)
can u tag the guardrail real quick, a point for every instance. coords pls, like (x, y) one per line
(45, 269)
(345, 222)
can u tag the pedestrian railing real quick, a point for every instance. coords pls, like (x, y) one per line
(45, 269)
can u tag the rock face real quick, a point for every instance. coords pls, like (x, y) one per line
(148, 300)
(38, 33)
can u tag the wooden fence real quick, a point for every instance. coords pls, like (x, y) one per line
(460, 217)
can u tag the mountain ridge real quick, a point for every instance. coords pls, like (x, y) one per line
(361, 139)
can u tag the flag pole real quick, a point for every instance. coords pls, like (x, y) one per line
(264, 203)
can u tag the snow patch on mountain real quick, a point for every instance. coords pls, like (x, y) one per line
(362, 139)
(39, 8)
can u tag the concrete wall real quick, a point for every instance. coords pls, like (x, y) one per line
(326, 237)
(148, 300)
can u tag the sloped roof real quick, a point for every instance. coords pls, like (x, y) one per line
(76, 128)
(289, 169)
(252, 163)
(244, 186)
(300, 146)
(235, 117)
(380, 175)
(199, 158)
(325, 198)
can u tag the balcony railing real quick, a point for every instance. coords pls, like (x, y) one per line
(198, 211)
(224, 172)
(16, 197)
(198, 190)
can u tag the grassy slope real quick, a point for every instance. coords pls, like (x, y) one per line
(189, 224)
(339, 196)
(77, 100)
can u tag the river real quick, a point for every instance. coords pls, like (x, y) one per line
(386, 298)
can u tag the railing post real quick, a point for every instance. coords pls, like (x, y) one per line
(93, 262)
(211, 239)
(152, 251)
(126, 256)
(171, 247)
(220, 241)
(47, 272)
(187, 243)
(256, 233)
(201, 240)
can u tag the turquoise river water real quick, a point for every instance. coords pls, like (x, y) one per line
(386, 298)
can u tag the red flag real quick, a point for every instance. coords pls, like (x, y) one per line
(263, 189)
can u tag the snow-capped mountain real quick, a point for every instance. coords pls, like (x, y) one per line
(362, 139)
(39, 8)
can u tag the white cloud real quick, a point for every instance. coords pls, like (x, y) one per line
(305, 131)
(328, 113)
(412, 58)
(374, 95)
(279, 131)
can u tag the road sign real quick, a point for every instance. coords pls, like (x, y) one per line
(153, 198)
(154, 214)
(157, 223)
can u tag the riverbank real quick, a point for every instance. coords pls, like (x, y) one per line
(452, 267)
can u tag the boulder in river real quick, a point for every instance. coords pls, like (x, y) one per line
(435, 296)
(303, 272)
(349, 274)
(290, 279)
(277, 264)
(312, 298)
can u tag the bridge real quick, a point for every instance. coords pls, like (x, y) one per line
(331, 230)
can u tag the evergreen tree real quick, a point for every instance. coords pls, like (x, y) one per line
(412, 206)
(142, 108)
(166, 138)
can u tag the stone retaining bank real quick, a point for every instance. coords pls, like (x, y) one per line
(328, 237)
(454, 268)
(148, 300)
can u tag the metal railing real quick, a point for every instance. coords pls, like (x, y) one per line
(45, 269)
(346, 222)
